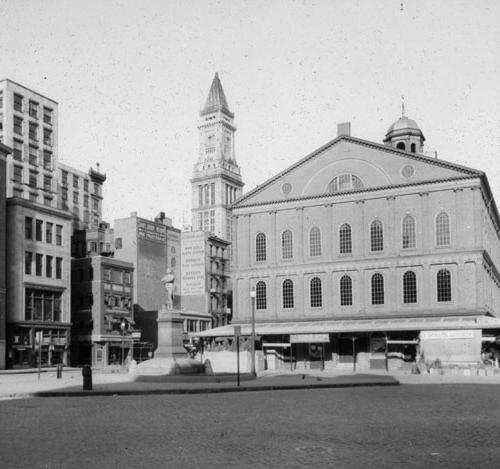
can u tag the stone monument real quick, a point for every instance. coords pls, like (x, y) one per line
(171, 358)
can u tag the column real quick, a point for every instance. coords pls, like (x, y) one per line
(272, 241)
(426, 223)
(360, 232)
(391, 230)
(327, 235)
(458, 219)
(300, 244)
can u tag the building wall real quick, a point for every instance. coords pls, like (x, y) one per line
(19, 280)
(474, 287)
(21, 143)
(3, 224)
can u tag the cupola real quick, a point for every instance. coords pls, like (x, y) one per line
(405, 134)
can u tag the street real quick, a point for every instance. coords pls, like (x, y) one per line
(448, 425)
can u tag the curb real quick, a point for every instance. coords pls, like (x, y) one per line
(142, 392)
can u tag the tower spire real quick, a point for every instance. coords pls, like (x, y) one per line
(402, 106)
(216, 100)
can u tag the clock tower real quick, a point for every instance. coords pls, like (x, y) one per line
(216, 181)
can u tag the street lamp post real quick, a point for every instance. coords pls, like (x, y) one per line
(252, 343)
(123, 324)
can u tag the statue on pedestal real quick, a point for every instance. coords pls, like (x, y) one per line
(168, 283)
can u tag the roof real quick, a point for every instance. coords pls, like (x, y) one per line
(358, 325)
(403, 123)
(358, 141)
(216, 100)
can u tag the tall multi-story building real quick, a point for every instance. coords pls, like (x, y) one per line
(38, 284)
(102, 312)
(152, 246)
(4, 151)
(368, 253)
(216, 181)
(81, 194)
(29, 125)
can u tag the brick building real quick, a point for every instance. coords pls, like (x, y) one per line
(363, 251)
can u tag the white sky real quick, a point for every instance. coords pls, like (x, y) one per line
(131, 77)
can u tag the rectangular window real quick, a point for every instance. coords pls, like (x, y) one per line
(33, 155)
(38, 232)
(33, 110)
(28, 228)
(48, 266)
(47, 201)
(207, 196)
(92, 246)
(18, 174)
(1, 99)
(107, 274)
(95, 203)
(47, 137)
(64, 193)
(18, 102)
(59, 267)
(118, 243)
(126, 277)
(86, 201)
(33, 131)
(48, 232)
(97, 188)
(47, 183)
(200, 196)
(28, 261)
(47, 115)
(47, 160)
(33, 179)
(75, 197)
(212, 193)
(65, 177)
(33, 197)
(86, 185)
(75, 181)
(18, 150)
(42, 305)
(18, 125)
(39, 263)
(59, 235)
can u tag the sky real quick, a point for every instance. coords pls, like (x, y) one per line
(131, 77)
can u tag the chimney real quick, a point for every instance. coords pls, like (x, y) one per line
(344, 129)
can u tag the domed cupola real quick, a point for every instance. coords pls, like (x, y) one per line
(405, 135)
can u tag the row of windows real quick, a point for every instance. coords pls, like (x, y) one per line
(42, 305)
(33, 154)
(408, 238)
(37, 259)
(443, 290)
(33, 109)
(76, 199)
(49, 231)
(18, 129)
(33, 179)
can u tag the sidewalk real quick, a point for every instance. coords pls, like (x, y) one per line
(27, 385)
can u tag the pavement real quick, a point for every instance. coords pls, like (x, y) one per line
(28, 383)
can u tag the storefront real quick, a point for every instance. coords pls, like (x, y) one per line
(395, 343)
(32, 344)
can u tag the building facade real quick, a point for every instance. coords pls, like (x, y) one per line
(216, 181)
(38, 284)
(205, 291)
(4, 152)
(81, 193)
(103, 330)
(29, 125)
(362, 251)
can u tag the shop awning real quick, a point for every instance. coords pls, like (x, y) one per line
(357, 325)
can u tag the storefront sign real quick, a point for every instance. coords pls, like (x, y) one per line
(192, 263)
(437, 335)
(309, 338)
(151, 231)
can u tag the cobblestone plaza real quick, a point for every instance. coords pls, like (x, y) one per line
(450, 425)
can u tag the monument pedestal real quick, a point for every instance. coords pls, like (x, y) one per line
(171, 358)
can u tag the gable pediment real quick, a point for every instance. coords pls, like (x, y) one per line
(359, 165)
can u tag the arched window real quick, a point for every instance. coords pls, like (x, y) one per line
(345, 291)
(409, 287)
(444, 285)
(287, 294)
(443, 229)
(260, 296)
(376, 236)
(401, 146)
(345, 242)
(409, 239)
(260, 247)
(315, 293)
(314, 242)
(287, 245)
(344, 182)
(377, 289)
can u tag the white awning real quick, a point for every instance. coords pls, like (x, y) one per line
(357, 325)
